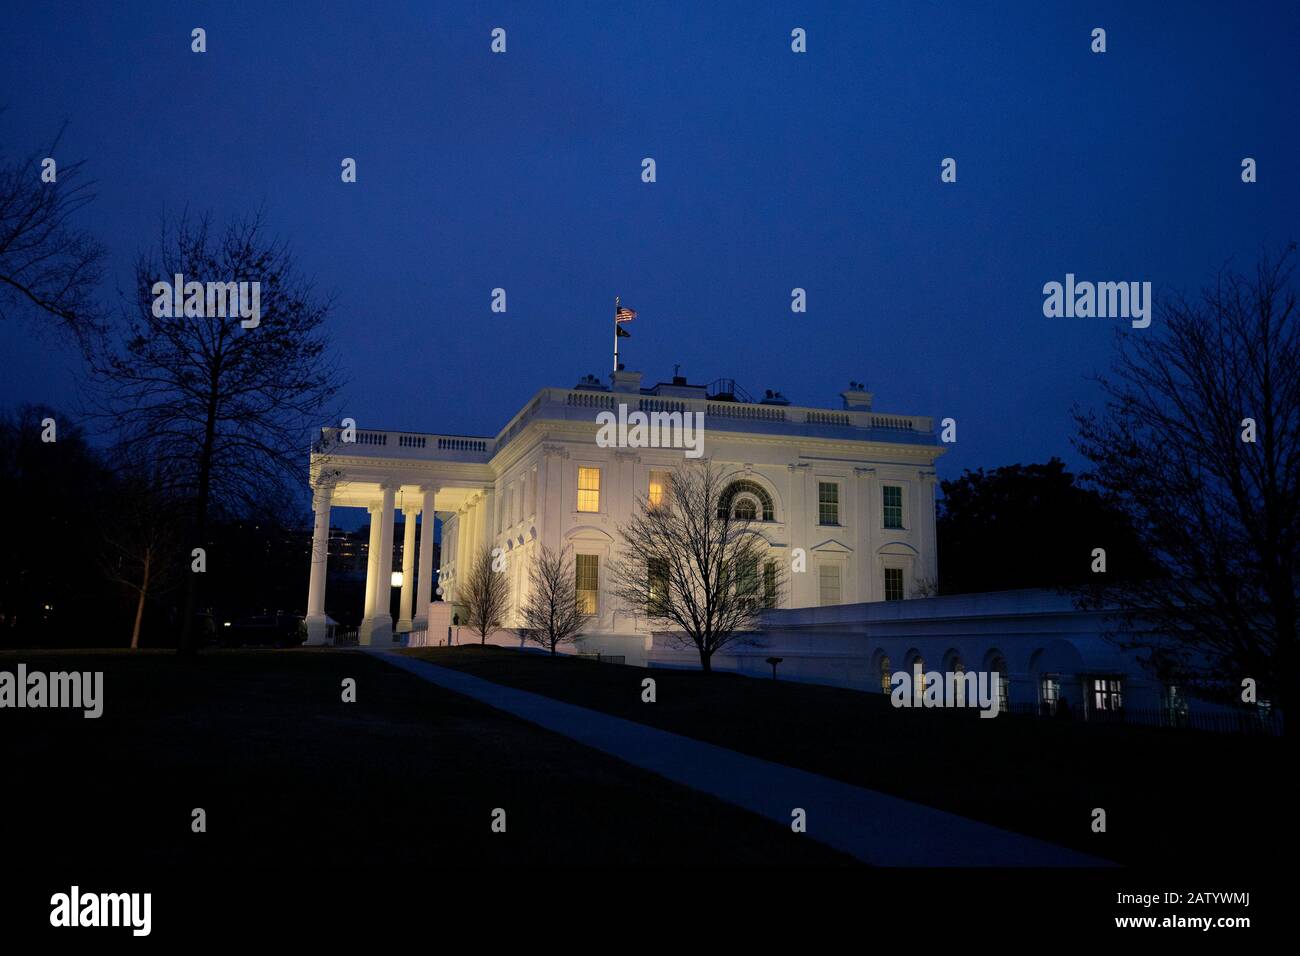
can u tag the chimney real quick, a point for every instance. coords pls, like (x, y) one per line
(856, 397)
(622, 381)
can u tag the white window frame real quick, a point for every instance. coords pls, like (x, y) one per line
(600, 488)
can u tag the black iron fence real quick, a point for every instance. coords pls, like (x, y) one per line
(1257, 722)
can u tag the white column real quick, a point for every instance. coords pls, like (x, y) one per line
(381, 633)
(472, 534)
(926, 518)
(317, 630)
(864, 558)
(408, 568)
(424, 581)
(487, 521)
(372, 573)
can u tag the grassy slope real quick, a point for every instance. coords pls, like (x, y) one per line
(1170, 797)
(288, 773)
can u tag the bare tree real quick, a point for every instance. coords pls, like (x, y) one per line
(1200, 442)
(141, 551)
(553, 614)
(485, 595)
(690, 563)
(227, 409)
(47, 264)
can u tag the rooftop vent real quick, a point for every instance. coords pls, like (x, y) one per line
(773, 397)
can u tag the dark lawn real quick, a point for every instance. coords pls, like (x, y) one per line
(1171, 798)
(288, 774)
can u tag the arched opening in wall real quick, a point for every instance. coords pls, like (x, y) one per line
(746, 500)
(996, 662)
(953, 664)
(916, 673)
(1054, 670)
(880, 664)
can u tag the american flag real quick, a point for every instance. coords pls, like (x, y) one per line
(624, 314)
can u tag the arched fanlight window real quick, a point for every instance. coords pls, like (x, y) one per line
(746, 500)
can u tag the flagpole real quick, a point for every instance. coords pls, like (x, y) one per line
(616, 302)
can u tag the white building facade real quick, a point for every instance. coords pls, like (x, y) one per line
(848, 493)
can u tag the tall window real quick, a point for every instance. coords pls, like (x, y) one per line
(886, 676)
(769, 584)
(658, 585)
(893, 584)
(828, 502)
(829, 580)
(658, 488)
(588, 582)
(588, 488)
(747, 580)
(916, 673)
(1176, 708)
(1107, 693)
(1049, 695)
(893, 506)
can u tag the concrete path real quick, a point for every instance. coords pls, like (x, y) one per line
(873, 827)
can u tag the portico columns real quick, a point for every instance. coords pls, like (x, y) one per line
(317, 627)
(424, 581)
(381, 631)
(408, 568)
(372, 560)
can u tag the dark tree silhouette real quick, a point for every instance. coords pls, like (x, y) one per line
(691, 564)
(225, 412)
(552, 613)
(48, 266)
(485, 595)
(1200, 439)
(1031, 526)
(51, 590)
(140, 530)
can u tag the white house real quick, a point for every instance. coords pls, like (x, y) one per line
(851, 487)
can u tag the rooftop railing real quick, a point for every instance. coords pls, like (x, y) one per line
(559, 403)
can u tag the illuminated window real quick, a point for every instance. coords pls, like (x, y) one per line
(658, 488)
(893, 584)
(828, 576)
(916, 672)
(886, 676)
(1175, 704)
(1049, 695)
(588, 488)
(828, 502)
(999, 664)
(587, 572)
(1107, 693)
(893, 506)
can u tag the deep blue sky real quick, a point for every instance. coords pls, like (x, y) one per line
(775, 170)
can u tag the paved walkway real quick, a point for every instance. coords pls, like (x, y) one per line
(874, 827)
